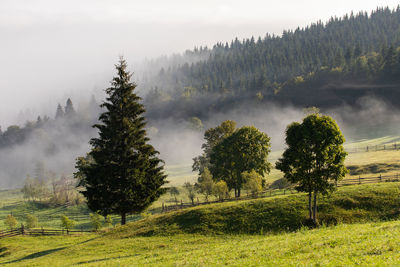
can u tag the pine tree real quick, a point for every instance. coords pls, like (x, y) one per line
(69, 108)
(124, 174)
(59, 112)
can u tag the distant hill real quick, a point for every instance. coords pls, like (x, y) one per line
(331, 63)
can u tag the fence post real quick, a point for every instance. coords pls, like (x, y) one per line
(359, 179)
(284, 191)
(163, 206)
(181, 203)
(367, 148)
(380, 177)
(22, 229)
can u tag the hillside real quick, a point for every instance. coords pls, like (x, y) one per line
(218, 234)
(332, 63)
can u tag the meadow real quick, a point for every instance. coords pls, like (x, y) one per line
(365, 232)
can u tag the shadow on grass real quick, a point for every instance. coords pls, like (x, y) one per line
(106, 259)
(44, 253)
(35, 255)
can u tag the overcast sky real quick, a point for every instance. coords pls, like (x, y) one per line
(51, 49)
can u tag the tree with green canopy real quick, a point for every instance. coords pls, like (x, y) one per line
(245, 150)
(212, 136)
(122, 173)
(314, 157)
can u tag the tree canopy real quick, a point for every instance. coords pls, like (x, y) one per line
(314, 157)
(245, 150)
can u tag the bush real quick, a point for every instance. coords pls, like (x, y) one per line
(10, 221)
(220, 190)
(109, 221)
(96, 220)
(67, 223)
(31, 221)
(254, 182)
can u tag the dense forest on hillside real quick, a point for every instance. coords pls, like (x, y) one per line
(357, 48)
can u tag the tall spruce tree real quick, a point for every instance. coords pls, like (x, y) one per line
(69, 109)
(124, 174)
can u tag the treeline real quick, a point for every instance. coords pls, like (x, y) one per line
(66, 116)
(362, 45)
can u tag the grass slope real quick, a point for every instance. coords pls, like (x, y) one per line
(363, 203)
(374, 244)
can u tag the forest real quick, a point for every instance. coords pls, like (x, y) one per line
(334, 63)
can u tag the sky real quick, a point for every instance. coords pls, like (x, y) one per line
(54, 49)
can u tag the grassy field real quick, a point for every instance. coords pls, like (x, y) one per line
(374, 244)
(266, 232)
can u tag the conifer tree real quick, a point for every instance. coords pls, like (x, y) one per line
(69, 108)
(124, 174)
(59, 112)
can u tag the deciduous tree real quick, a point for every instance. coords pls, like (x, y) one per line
(314, 157)
(245, 150)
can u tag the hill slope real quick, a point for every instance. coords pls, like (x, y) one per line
(173, 242)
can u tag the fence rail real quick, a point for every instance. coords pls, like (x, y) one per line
(368, 148)
(39, 232)
(277, 192)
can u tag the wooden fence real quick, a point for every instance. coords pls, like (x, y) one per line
(287, 191)
(370, 148)
(369, 180)
(39, 232)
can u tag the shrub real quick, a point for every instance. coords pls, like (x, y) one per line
(67, 223)
(10, 221)
(31, 221)
(97, 220)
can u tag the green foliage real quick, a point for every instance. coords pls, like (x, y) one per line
(212, 136)
(67, 223)
(31, 221)
(220, 190)
(35, 188)
(97, 220)
(263, 66)
(10, 221)
(254, 182)
(126, 175)
(246, 149)
(205, 183)
(108, 221)
(190, 190)
(314, 158)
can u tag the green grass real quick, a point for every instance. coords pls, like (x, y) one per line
(48, 215)
(360, 227)
(374, 244)
(352, 204)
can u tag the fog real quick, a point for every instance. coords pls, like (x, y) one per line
(51, 50)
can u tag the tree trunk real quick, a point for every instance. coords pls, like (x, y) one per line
(310, 214)
(123, 218)
(238, 192)
(315, 208)
(235, 192)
